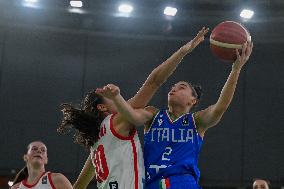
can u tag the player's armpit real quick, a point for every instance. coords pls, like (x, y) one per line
(207, 118)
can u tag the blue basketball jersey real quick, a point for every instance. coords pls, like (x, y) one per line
(171, 147)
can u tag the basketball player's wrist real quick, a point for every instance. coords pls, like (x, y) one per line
(117, 98)
(236, 68)
(183, 51)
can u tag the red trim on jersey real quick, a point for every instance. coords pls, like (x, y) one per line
(135, 164)
(130, 137)
(50, 180)
(167, 182)
(24, 182)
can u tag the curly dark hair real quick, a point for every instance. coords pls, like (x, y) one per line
(85, 119)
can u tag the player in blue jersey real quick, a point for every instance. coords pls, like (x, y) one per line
(173, 137)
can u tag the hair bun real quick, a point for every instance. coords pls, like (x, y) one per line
(198, 90)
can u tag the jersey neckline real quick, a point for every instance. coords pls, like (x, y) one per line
(169, 117)
(116, 134)
(24, 182)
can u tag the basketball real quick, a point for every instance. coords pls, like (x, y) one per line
(226, 37)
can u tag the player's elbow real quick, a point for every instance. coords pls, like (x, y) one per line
(217, 114)
(220, 109)
(155, 80)
(139, 119)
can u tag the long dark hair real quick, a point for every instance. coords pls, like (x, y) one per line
(85, 119)
(21, 175)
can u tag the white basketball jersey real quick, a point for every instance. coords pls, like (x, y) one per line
(44, 182)
(118, 160)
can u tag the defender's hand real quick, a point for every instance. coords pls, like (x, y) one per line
(109, 91)
(195, 41)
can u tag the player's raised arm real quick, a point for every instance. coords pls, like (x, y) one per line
(161, 73)
(211, 116)
(137, 117)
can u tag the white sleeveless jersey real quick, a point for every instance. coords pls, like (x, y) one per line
(44, 182)
(118, 160)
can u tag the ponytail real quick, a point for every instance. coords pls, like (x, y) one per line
(21, 175)
(197, 92)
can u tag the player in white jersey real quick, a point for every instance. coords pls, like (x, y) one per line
(116, 158)
(44, 182)
(34, 175)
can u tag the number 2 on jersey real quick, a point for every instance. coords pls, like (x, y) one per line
(100, 162)
(168, 151)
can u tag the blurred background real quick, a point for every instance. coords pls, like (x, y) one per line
(54, 51)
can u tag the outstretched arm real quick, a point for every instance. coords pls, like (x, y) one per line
(161, 73)
(211, 116)
(136, 117)
(86, 175)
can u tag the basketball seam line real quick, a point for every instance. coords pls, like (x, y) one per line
(225, 45)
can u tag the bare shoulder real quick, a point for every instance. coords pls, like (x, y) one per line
(60, 181)
(202, 119)
(15, 186)
(198, 118)
(201, 113)
(57, 176)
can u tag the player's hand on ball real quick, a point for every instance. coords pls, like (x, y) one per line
(244, 56)
(109, 91)
(187, 48)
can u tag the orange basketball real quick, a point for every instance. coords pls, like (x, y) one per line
(226, 37)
